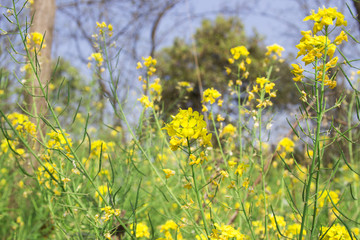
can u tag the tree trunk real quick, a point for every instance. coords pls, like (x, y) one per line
(43, 13)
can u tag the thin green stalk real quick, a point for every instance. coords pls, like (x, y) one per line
(315, 164)
(218, 140)
(199, 201)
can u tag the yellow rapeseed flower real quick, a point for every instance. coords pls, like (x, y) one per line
(342, 37)
(141, 230)
(169, 172)
(210, 95)
(325, 17)
(145, 101)
(97, 57)
(239, 51)
(187, 125)
(275, 48)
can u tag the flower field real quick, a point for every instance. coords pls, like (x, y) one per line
(192, 174)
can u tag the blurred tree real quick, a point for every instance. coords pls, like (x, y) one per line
(213, 41)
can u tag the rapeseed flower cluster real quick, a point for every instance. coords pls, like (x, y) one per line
(314, 47)
(155, 87)
(285, 148)
(35, 42)
(103, 190)
(329, 198)
(239, 52)
(168, 172)
(48, 176)
(146, 102)
(149, 63)
(169, 227)
(263, 89)
(336, 232)
(141, 230)
(48, 173)
(100, 146)
(276, 49)
(7, 146)
(109, 212)
(229, 129)
(24, 127)
(186, 126)
(59, 141)
(98, 58)
(325, 17)
(22, 124)
(225, 232)
(187, 85)
(210, 95)
(104, 27)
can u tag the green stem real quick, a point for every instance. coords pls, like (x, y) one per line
(199, 202)
(316, 159)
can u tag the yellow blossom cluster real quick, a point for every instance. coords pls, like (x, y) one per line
(210, 95)
(146, 102)
(103, 190)
(225, 232)
(97, 57)
(59, 141)
(48, 176)
(336, 232)
(197, 160)
(155, 87)
(262, 87)
(35, 42)
(313, 47)
(141, 230)
(284, 148)
(100, 146)
(237, 53)
(166, 230)
(7, 145)
(229, 129)
(298, 72)
(22, 124)
(276, 49)
(286, 144)
(168, 172)
(293, 230)
(325, 17)
(103, 26)
(241, 168)
(109, 212)
(188, 86)
(150, 64)
(329, 198)
(24, 128)
(186, 126)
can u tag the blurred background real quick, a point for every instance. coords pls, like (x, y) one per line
(189, 38)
